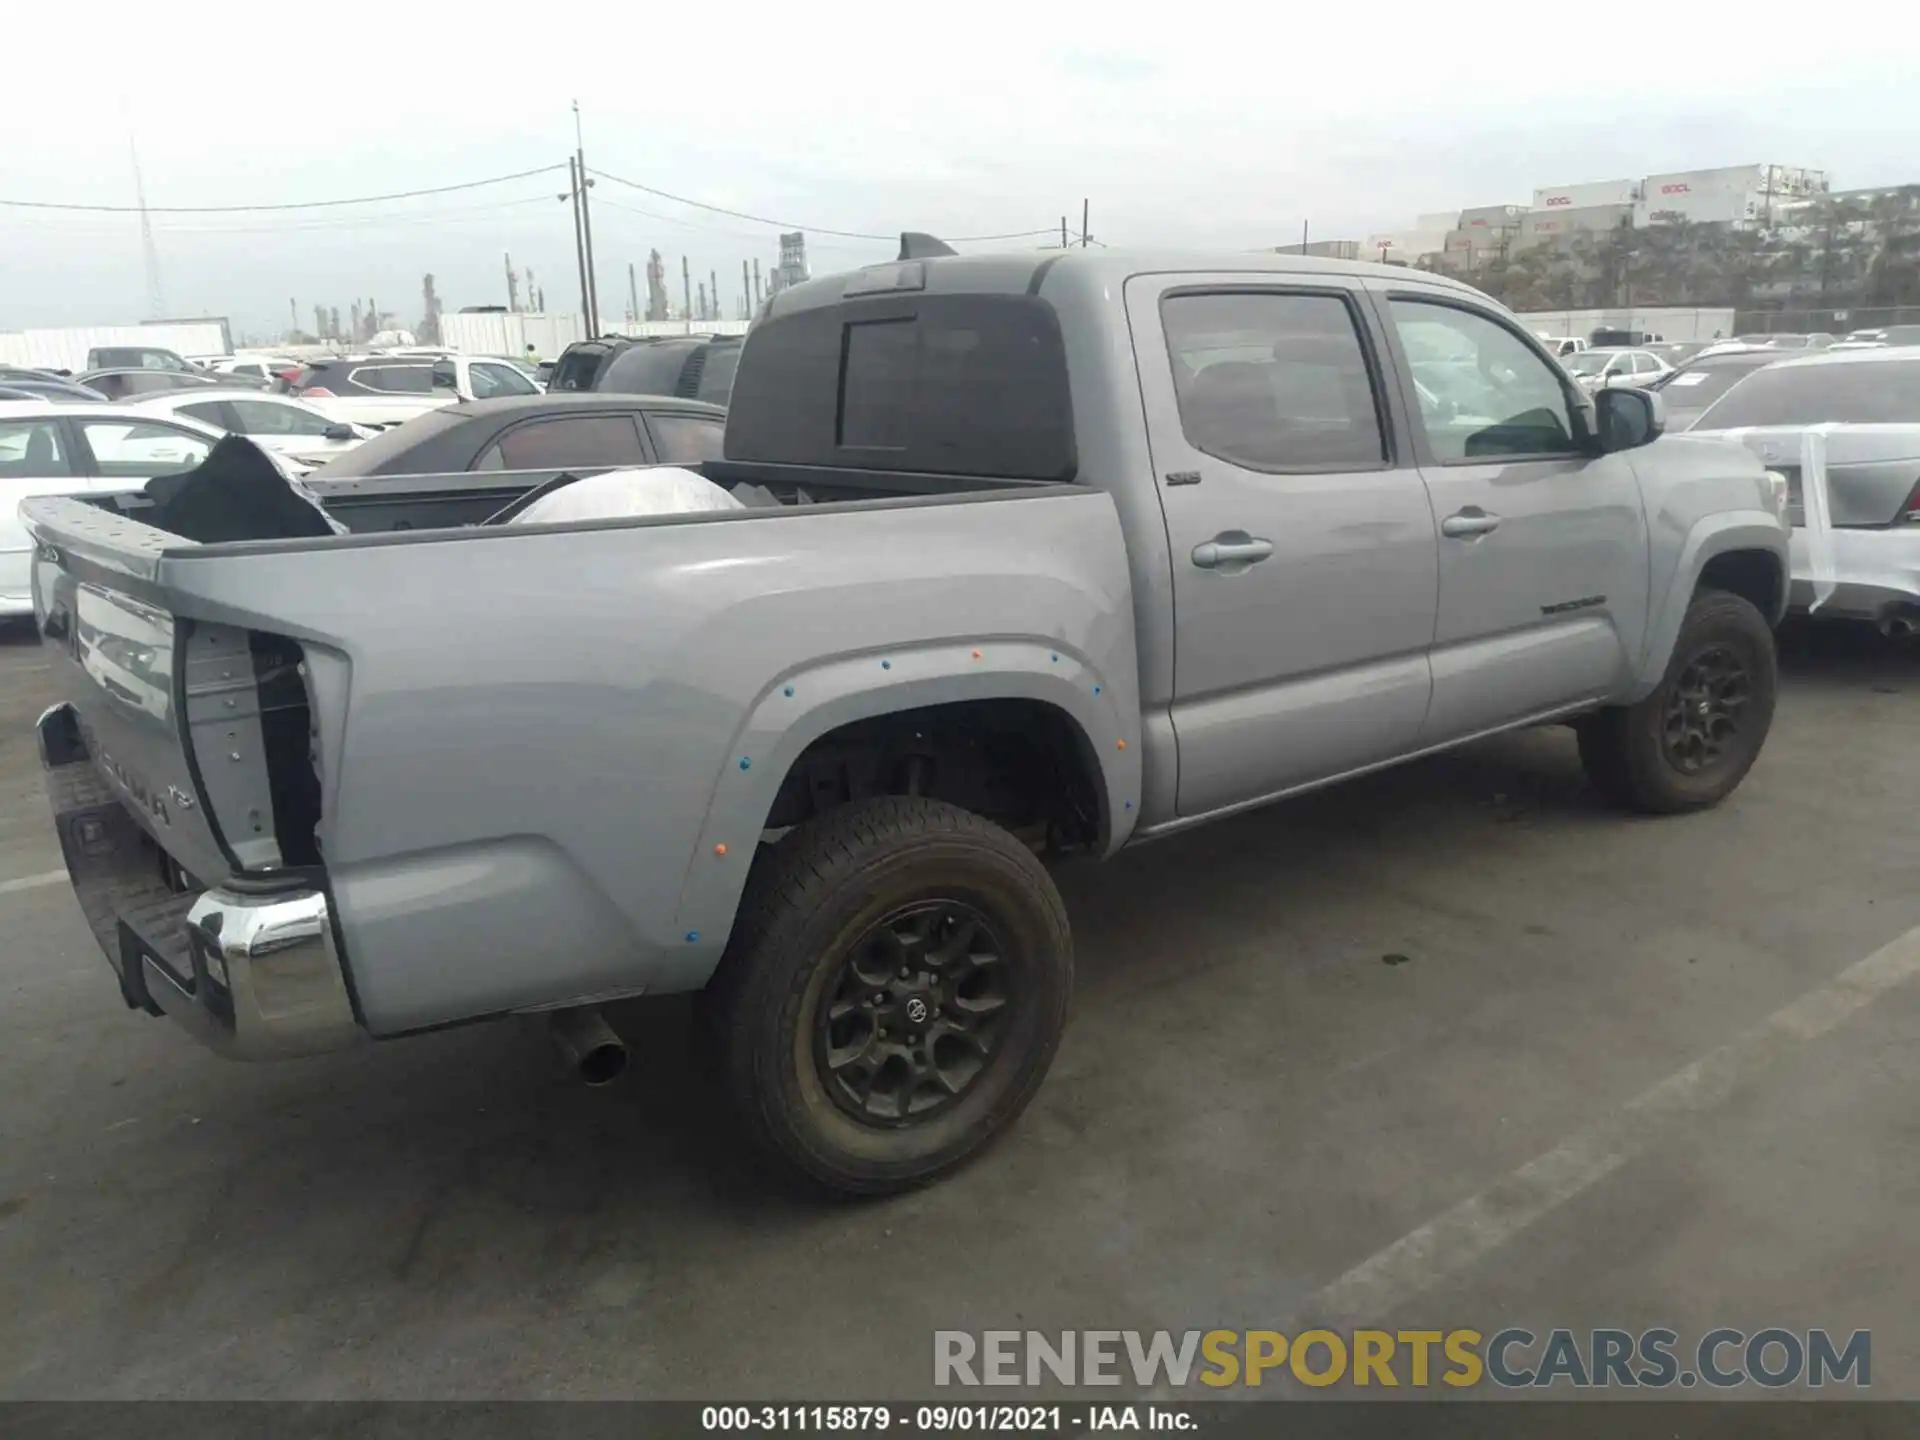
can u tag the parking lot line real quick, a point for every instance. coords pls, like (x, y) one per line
(1460, 1236)
(32, 882)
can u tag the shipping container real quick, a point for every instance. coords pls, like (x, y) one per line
(1492, 217)
(1585, 197)
(66, 349)
(1542, 225)
(1403, 247)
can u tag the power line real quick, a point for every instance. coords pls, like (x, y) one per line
(792, 225)
(294, 205)
(81, 225)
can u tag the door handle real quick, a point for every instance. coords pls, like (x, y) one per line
(1231, 550)
(1469, 523)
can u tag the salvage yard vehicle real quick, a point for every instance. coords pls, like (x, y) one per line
(1856, 415)
(539, 432)
(1056, 554)
(58, 446)
(1690, 390)
(1601, 366)
(385, 389)
(277, 423)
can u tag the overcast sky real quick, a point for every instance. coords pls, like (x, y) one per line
(1188, 124)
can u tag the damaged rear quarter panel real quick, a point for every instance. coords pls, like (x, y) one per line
(529, 740)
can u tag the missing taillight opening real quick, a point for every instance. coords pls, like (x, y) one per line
(286, 728)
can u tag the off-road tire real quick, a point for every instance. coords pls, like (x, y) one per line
(1623, 749)
(810, 899)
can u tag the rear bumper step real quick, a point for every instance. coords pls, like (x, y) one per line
(254, 976)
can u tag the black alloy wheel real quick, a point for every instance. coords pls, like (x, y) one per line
(915, 1014)
(1701, 723)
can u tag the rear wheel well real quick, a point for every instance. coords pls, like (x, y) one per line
(1024, 764)
(1753, 575)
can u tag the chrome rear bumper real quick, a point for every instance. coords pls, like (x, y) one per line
(254, 976)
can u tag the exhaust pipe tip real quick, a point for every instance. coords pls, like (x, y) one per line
(1900, 625)
(589, 1047)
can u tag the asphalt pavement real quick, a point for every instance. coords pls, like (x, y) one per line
(1454, 1046)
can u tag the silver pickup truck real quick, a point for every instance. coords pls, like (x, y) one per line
(1049, 554)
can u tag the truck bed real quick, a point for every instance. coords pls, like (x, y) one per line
(495, 749)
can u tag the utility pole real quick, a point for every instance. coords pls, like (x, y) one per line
(293, 309)
(713, 294)
(156, 304)
(703, 299)
(1083, 224)
(686, 288)
(1063, 232)
(746, 293)
(633, 294)
(579, 244)
(756, 282)
(1303, 237)
(533, 295)
(513, 286)
(586, 225)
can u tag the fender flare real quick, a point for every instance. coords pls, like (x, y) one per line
(1717, 534)
(798, 707)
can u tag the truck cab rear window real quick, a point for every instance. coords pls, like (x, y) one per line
(943, 384)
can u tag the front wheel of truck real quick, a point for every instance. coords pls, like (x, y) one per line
(893, 992)
(1688, 744)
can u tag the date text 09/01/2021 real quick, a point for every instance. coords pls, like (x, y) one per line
(945, 1419)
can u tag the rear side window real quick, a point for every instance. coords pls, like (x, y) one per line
(493, 380)
(32, 449)
(687, 439)
(948, 384)
(393, 379)
(1274, 382)
(211, 412)
(576, 368)
(566, 442)
(139, 450)
(715, 385)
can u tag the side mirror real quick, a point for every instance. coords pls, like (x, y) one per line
(1625, 418)
(338, 431)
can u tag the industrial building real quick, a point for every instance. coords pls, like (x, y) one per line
(1731, 195)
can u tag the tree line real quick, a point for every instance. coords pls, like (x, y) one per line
(1851, 253)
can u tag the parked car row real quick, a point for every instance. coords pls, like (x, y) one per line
(1854, 416)
(691, 367)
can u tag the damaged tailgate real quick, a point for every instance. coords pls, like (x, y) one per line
(179, 771)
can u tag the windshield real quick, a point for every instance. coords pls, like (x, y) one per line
(1589, 362)
(1845, 393)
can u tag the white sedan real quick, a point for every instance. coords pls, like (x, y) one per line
(68, 447)
(279, 424)
(1598, 367)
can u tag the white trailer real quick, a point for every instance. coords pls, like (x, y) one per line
(1586, 196)
(67, 349)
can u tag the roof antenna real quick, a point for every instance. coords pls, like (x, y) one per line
(917, 246)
